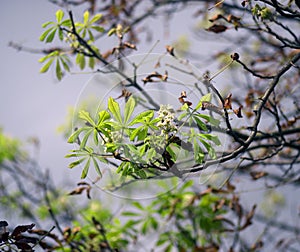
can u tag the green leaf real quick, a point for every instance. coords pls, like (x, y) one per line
(111, 147)
(121, 167)
(43, 59)
(212, 138)
(102, 117)
(201, 124)
(145, 226)
(60, 34)
(138, 205)
(205, 98)
(75, 135)
(59, 15)
(142, 174)
(85, 170)
(91, 62)
(129, 107)
(58, 71)
(80, 60)
(86, 116)
(65, 64)
(91, 35)
(95, 134)
(86, 16)
(186, 185)
(77, 162)
(96, 18)
(98, 28)
(46, 67)
(97, 168)
(85, 138)
(142, 117)
(209, 148)
(66, 23)
(114, 108)
(140, 132)
(50, 37)
(184, 107)
(183, 115)
(44, 25)
(130, 214)
(76, 154)
(45, 33)
(111, 31)
(172, 153)
(209, 119)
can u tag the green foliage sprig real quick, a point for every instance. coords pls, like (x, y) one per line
(63, 28)
(145, 143)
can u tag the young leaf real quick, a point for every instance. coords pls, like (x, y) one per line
(86, 116)
(141, 118)
(80, 61)
(209, 148)
(75, 135)
(44, 25)
(59, 15)
(96, 18)
(114, 108)
(103, 116)
(111, 31)
(85, 170)
(58, 71)
(85, 138)
(77, 162)
(50, 37)
(86, 16)
(97, 168)
(209, 119)
(129, 107)
(92, 62)
(98, 28)
(205, 98)
(46, 67)
(65, 64)
(200, 124)
(60, 34)
(45, 34)
(212, 138)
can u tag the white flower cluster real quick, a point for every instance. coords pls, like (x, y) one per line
(166, 115)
